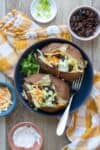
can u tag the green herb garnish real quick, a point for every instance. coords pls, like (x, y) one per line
(43, 8)
(29, 65)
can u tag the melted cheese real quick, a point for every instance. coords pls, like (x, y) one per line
(53, 60)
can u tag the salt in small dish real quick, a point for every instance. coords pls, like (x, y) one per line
(33, 137)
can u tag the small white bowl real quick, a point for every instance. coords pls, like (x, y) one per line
(41, 20)
(96, 33)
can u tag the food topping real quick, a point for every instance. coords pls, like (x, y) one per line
(26, 137)
(43, 9)
(84, 22)
(70, 64)
(62, 60)
(63, 65)
(29, 65)
(5, 98)
(43, 92)
(53, 60)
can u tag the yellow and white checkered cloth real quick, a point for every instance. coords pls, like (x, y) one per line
(18, 32)
(84, 127)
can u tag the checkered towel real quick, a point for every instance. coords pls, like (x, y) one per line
(84, 128)
(18, 32)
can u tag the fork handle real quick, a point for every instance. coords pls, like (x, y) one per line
(63, 121)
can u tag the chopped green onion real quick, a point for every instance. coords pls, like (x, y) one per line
(43, 8)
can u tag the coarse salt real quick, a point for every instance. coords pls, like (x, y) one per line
(26, 137)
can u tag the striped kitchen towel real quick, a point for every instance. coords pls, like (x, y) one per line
(18, 32)
(84, 128)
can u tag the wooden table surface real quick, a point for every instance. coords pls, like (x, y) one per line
(21, 113)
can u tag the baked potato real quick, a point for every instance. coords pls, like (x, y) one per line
(46, 92)
(61, 60)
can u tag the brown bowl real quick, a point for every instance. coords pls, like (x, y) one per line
(36, 146)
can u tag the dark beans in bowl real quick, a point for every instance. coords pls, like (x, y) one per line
(84, 22)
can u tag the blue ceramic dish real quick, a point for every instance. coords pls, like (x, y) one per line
(13, 93)
(84, 91)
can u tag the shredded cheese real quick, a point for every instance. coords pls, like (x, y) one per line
(37, 93)
(5, 98)
(53, 60)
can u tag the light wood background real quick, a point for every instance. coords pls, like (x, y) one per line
(47, 124)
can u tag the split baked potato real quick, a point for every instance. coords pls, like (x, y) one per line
(61, 60)
(46, 92)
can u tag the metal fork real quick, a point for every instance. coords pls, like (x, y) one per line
(76, 84)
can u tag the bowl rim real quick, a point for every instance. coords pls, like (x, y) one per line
(25, 123)
(73, 33)
(50, 41)
(47, 20)
(13, 93)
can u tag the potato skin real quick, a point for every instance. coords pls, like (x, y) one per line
(52, 109)
(69, 76)
(62, 89)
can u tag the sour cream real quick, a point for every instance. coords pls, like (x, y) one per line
(26, 137)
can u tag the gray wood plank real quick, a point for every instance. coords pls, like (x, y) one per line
(96, 42)
(2, 8)
(22, 5)
(3, 140)
(2, 134)
(96, 54)
(2, 78)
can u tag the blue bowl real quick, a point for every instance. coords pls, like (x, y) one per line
(13, 93)
(84, 91)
